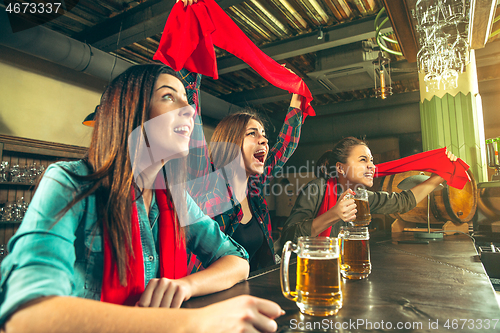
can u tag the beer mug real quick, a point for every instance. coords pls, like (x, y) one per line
(354, 243)
(363, 216)
(317, 291)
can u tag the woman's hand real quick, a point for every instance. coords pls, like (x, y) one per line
(188, 2)
(450, 155)
(345, 208)
(422, 190)
(240, 314)
(438, 179)
(296, 101)
(165, 293)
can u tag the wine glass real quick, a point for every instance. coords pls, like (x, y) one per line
(427, 12)
(15, 173)
(452, 10)
(4, 171)
(449, 79)
(432, 81)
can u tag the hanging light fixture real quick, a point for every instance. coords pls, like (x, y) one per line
(444, 52)
(90, 119)
(382, 76)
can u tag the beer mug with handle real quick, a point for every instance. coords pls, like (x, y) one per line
(354, 243)
(317, 291)
(363, 216)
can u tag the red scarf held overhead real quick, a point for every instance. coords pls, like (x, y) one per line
(435, 161)
(188, 42)
(173, 256)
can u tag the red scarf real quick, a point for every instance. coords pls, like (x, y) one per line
(329, 201)
(435, 161)
(173, 256)
(188, 42)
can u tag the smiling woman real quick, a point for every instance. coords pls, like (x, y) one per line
(105, 231)
(171, 122)
(322, 204)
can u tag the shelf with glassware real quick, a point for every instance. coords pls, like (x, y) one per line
(15, 184)
(13, 212)
(11, 178)
(22, 161)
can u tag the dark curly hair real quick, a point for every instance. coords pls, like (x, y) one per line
(326, 165)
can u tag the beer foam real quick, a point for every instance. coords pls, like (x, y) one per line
(357, 237)
(319, 255)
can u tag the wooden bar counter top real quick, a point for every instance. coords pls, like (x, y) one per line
(435, 287)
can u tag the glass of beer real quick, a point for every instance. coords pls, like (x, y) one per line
(317, 291)
(354, 245)
(363, 216)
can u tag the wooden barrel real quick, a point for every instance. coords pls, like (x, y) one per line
(447, 203)
(489, 201)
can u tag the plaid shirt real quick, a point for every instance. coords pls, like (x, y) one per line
(213, 194)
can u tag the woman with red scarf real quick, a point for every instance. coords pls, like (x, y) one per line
(230, 180)
(239, 147)
(103, 244)
(321, 208)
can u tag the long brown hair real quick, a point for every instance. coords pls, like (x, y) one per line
(125, 105)
(326, 165)
(227, 140)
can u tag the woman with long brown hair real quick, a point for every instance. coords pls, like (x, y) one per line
(240, 152)
(110, 228)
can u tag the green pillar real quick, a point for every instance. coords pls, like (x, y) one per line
(453, 118)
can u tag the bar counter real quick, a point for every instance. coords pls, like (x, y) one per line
(435, 287)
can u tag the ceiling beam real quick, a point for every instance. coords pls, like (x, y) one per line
(481, 20)
(399, 13)
(269, 94)
(371, 104)
(327, 111)
(106, 33)
(145, 20)
(362, 105)
(337, 36)
(401, 70)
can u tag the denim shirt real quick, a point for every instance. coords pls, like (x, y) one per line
(65, 258)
